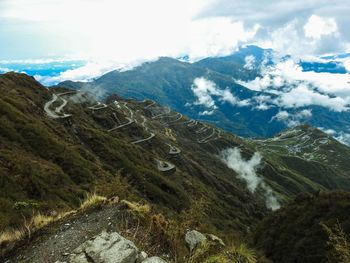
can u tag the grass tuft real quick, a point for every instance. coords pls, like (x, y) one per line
(12, 235)
(139, 209)
(39, 220)
(92, 200)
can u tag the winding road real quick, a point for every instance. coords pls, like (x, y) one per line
(173, 150)
(130, 121)
(202, 130)
(98, 106)
(208, 138)
(167, 111)
(57, 113)
(150, 105)
(131, 112)
(164, 166)
(192, 124)
(178, 117)
(152, 134)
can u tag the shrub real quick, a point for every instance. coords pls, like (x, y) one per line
(338, 245)
(235, 254)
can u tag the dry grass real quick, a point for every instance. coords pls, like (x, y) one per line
(39, 220)
(92, 200)
(12, 235)
(139, 209)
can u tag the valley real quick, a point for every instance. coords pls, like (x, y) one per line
(148, 153)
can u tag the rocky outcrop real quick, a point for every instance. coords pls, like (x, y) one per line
(194, 239)
(110, 248)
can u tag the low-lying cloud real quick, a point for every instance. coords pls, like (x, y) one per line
(292, 119)
(249, 62)
(295, 88)
(208, 93)
(246, 170)
(340, 136)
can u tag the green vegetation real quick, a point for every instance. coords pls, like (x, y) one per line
(338, 244)
(310, 229)
(49, 167)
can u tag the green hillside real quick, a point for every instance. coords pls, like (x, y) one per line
(59, 145)
(310, 229)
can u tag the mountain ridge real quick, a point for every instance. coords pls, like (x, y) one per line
(236, 108)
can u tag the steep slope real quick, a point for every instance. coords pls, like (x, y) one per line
(57, 145)
(308, 230)
(50, 160)
(308, 160)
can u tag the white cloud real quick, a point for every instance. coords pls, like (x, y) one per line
(215, 37)
(299, 39)
(292, 119)
(317, 26)
(302, 96)
(346, 64)
(85, 73)
(341, 136)
(249, 62)
(203, 89)
(246, 170)
(4, 70)
(295, 88)
(122, 31)
(206, 113)
(206, 91)
(263, 102)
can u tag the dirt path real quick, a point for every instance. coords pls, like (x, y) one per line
(57, 240)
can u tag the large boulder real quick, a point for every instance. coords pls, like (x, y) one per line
(106, 248)
(193, 238)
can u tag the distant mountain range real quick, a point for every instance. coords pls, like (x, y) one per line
(213, 90)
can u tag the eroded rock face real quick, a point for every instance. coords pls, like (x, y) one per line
(106, 248)
(110, 248)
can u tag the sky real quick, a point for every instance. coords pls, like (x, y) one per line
(57, 40)
(125, 31)
(115, 34)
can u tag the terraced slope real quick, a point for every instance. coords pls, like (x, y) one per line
(308, 158)
(58, 145)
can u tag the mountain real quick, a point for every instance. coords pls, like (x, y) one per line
(59, 145)
(51, 160)
(215, 90)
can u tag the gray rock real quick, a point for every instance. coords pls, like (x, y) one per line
(141, 257)
(193, 238)
(215, 239)
(154, 260)
(106, 248)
